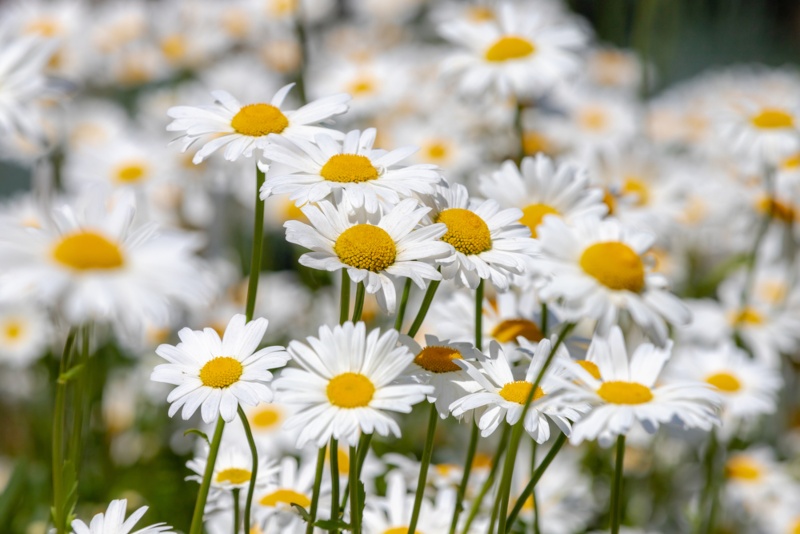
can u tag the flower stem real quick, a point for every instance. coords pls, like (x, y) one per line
(401, 311)
(423, 309)
(315, 492)
(520, 111)
(334, 460)
(363, 449)
(535, 526)
(616, 489)
(487, 484)
(344, 304)
(543, 320)
(479, 316)
(427, 452)
(258, 248)
(353, 482)
(462, 486)
(205, 485)
(60, 493)
(236, 510)
(358, 307)
(253, 471)
(709, 499)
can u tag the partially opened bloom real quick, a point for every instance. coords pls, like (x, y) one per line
(217, 375)
(232, 469)
(113, 522)
(293, 485)
(348, 381)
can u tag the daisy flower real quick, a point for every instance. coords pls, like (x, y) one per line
(488, 242)
(293, 485)
(504, 394)
(595, 269)
(232, 470)
(626, 393)
(392, 514)
(310, 172)
(217, 375)
(113, 521)
(25, 333)
(347, 382)
(372, 251)
(243, 128)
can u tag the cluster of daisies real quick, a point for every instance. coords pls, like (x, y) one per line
(478, 256)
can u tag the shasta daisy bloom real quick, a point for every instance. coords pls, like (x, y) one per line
(504, 394)
(626, 392)
(25, 333)
(392, 514)
(595, 269)
(217, 375)
(293, 485)
(311, 172)
(347, 382)
(244, 128)
(488, 242)
(113, 521)
(373, 248)
(232, 470)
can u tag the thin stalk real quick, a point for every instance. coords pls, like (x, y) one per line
(344, 304)
(427, 452)
(253, 471)
(300, 32)
(709, 495)
(363, 449)
(358, 307)
(59, 422)
(401, 310)
(533, 492)
(205, 485)
(423, 308)
(487, 484)
(258, 248)
(761, 232)
(236, 510)
(462, 486)
(544, 320)
(518, 126)
(315, 492)
(616, 489)
(334, 460)
(479, 316)
(80, 400)
(540, 469)
(355, 506)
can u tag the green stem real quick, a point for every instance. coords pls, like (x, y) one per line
(334, 460)
(358, 307)
(258, 248)
(363, 448)
(462, 486)
(59, 423)
(315, 492)
(205, 485)
(355, 506)
(544, 320)
(251, 487)
(479, 316)
(762, 231)
(487, 484)
(533, 492)
(424, 307)
(401, 311)
(709, 500)
(616, 489)
(344, 304)
(300, 32)
(80, 399)
(427, 452)
(236, 510)
(518, 126)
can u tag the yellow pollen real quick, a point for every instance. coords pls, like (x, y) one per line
(234, 475)
(510, 47)
(742, 468)
(591, 368)
(724, 382)
(518, 392)
(85, 251)
(400, 530)
(291, 212)
(618, 392)
(482, 461)
(792, 162)
(350, 390)
(466, 231)
(747, 316)
(349, 169)
(511, 329)
(130, 173)
(13, 329)
(438, 359)
(173, 47)
(257, 120)
(615, 265)
(637, 187)
(365, 246)
(284, 496)
(535, 142)
(362, 85)
(437, 151)
(772, 119)
(266, 417)
(777, 209)
(533, 214)
(221, 372)
(593, 118)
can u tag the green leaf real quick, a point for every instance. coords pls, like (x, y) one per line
(302, 511)
(13, 491)
(330, 524)
(71, 373)
(199, 433)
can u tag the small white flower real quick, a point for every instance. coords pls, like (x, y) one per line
(113, 522)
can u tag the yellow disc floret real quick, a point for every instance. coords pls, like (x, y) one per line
(438, 359)
(350, 390)
(618, 392)
(742, 468)
(518, 392)
(466, 231)
(88, 250)
(636, 187)
(130, 173)
(257, 120)
(510, 47)
(772, 119)
(266, 417)
(233, 475)
(724, 382)
(365, 246)
(284, 496)
(511, 329)
(349, 169)
(747, 316)
(590, 367)
(533, 214)
(615, 265)
(221, 372)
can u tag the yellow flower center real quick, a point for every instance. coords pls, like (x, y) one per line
(437, 150)
(772, 119)
(365, 246)
(87, 250)
(638, 188)
(518, 392)
(482, 461)
(257, 120)
(609, 201)
(400, 530)
(285, 496)
(438, 359)
(480, 13)
(510, 47)
(615, 265)
(511, 329)
(593, 118)
(466, 231)
(349, 169)
(234, 475)
(266, 417)
(535, 142)
(777, 209)
(130, 173)
(591, 368)
(743, 468)
(533, 214)
(724, 382)
(792, 162)
(618, 392)
(747, 316)
(795, 528)
(173, 47)
(361, 85)
(221, 372)
(13, 329)
(350, 390)
(773, 291)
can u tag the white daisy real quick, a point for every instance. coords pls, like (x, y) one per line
(595, 269)
(347, 383)
(113, 521)
(232, 469)
(392, 514)
(627, 394)
(243, 128)
(25, 333)
(293, 485)
(217, 375)
(373, 248)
